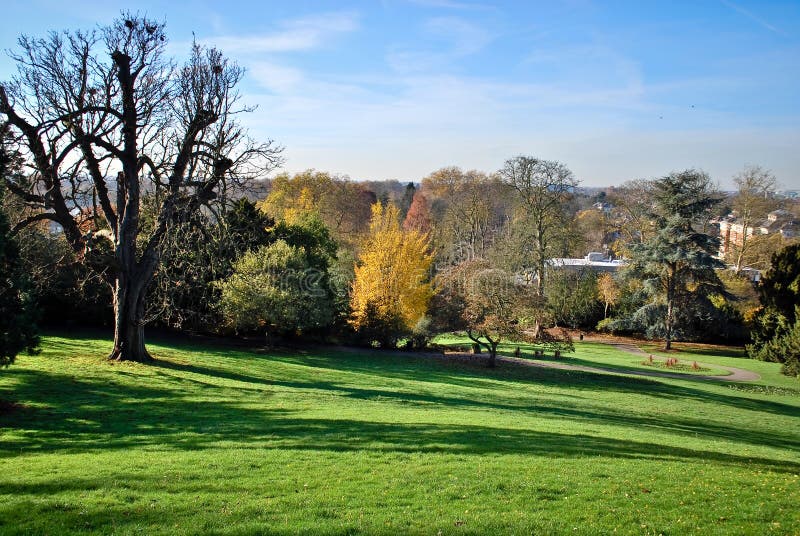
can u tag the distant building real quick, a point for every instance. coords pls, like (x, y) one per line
(596, 261)
(732, 230)
(750, 273)
(603, 207)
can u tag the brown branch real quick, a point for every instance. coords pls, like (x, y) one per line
(43, 216)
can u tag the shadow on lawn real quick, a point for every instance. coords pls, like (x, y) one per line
(68, 414)
(544, 408)
(506, 376)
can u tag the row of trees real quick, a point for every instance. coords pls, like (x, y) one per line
(142, 169)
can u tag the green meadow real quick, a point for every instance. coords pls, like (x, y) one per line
(216, 439)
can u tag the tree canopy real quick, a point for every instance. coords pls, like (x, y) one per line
(542, 188)
(102, 117)
(277, 289)
(17, 313)
(677, 263)
(391, 286)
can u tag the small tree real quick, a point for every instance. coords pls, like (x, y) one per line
(391, 285)
(406, 200)
(275, 288)
(492, 306)
(419, 215)
(776, 325)
(608, 291)
(572, 297)
(784, 347)
(752, 203)
(780, 286)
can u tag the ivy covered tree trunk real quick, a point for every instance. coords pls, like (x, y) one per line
(129, 308)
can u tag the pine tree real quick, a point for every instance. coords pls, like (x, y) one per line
(677, 263)
(407, 199)
(776, 326)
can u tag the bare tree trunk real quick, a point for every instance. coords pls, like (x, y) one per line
(740, 256)
(670, 310)
(540, 260)
(492, 347)
(129, 308)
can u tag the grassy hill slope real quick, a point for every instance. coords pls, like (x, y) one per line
(225, 441)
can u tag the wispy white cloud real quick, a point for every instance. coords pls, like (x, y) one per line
(354, 125)
(447, 39)
(755, 18)
(299, 34)
(451, 4)
(275, 77)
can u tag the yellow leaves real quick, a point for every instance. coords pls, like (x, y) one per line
(607, 288)
(292, 198)
(392, 272)
(304, 204)
(717, 300)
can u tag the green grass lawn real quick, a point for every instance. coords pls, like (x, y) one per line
(216, 440)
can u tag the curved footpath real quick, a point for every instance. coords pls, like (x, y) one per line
(736, 374)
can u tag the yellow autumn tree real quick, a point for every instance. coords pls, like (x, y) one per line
(342, 204)
(391, 291)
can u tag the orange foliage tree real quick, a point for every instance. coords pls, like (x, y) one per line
(419, 215)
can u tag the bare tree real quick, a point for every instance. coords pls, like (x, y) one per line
(752, 203)
(633, 202)
(469, 208)
(543, 187)
(103, 117)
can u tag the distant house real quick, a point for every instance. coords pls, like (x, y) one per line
(750, 273)
(732, 230)
(596, 261)
(603, 207)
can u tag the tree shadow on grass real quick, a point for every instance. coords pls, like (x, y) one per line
(474, 374)
(463, 373)
(508, 375)
(427, 369)
(734, 353)
(72, 415)
(543, 408)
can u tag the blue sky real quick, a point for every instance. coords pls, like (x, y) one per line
(399, 88)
